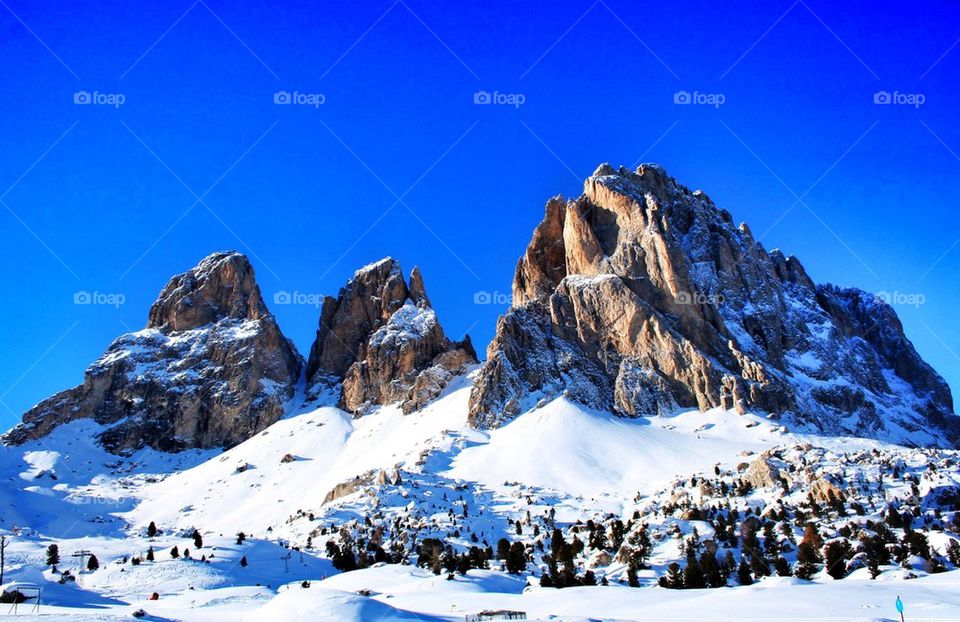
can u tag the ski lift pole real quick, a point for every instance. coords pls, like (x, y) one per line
(82, 554)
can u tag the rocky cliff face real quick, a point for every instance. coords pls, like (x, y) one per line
(642, 297)
(210, 369)
(379, 342)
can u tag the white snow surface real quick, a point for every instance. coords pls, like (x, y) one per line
(64, 489)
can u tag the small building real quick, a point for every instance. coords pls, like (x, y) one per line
(500, 614)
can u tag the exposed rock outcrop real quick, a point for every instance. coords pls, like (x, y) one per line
(643, 297)
(379, 342)
(210, 369)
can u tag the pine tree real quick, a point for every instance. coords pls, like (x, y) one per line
(175, 552)
(150, 554)
(727, 566)
(759, 566)
(632, 579)
(782, 567)
(743, 573)
(804, 569)
(711, 570)
(241, 537)
(243, 561)
(53, 555)
(93, 563)
(674, 577)
(152, 530)
(835, 555)
(503, 548)
(953, 552)
(197, 540)
(692, 574)
(516, 558)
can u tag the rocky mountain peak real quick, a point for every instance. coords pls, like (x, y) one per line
(642, 296)
(221, 286)
(210, 369)
(379, 342)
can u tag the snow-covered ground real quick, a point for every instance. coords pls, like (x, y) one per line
(293, 486)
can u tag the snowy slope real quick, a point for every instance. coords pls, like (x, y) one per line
(319, 472)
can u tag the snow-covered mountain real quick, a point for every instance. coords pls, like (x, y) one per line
(210, 369)
(665, 406)
(642, 297)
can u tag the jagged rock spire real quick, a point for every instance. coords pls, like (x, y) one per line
(379, 342)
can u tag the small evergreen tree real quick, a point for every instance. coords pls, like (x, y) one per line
(243, 561)
(711, 570)
(743, 573)
(953, 552)
(152, 530)
(241, 537)
(674, 577)
(516, 558)
(175, 552)
(759, 566)
(150, 554)
(93, 563)
(197, 540)
(503, 548)
(782, 567)
(693, 574)
(53, 555)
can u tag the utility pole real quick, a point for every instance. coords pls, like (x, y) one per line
(286, 562)
(3, 556)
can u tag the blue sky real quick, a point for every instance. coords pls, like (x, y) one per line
(398, 159)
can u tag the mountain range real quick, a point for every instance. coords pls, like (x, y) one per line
(640, 297)
(665, 404)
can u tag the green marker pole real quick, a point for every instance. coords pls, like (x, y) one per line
(900, 607)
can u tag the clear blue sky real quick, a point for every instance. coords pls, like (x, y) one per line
(104, 198)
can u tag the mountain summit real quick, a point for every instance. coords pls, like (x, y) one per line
(379, 342)
(210, 369)
(643, 297)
